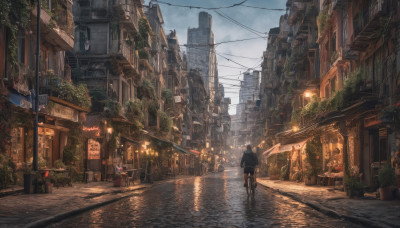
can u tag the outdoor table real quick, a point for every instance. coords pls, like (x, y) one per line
(124, 176)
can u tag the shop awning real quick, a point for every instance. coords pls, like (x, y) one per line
(180, 149)
(126, 138)
(289, 147)
(278, 148)
(270, 150)
(195, 152)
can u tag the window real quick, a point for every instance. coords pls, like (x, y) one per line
(333, 85)
(21, 47)
(125, 93)
(345, 28)
(84, 39)
(327, 91)
(17, 145)
(3, 53)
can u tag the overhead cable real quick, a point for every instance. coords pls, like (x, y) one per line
(200, 7)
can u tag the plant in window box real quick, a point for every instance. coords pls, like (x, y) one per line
(117, 179)
(386, 179)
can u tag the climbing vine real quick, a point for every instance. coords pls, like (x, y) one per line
(14, 15)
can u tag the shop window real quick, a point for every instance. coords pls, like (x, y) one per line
(45, 144)
(379, 144)
(17, 145)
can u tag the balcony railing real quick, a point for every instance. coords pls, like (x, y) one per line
(128, 13)
(57, 27)
(126, 53)
(366, 25)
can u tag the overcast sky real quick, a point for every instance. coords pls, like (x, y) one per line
(261, 20)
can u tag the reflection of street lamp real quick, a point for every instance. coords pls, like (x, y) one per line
(295, 128)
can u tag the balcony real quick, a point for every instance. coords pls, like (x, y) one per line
(128, 14)
(57, 30)
(337, 57)
(125, 54)
(367, 27)
(338, 4)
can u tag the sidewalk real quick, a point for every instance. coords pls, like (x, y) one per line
(367, 211)
(36, 210)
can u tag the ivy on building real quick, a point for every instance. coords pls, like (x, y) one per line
(165, 122)
(142, 37)
(14, 15)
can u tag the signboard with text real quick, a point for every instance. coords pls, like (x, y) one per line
(93, 149)
(63, 112)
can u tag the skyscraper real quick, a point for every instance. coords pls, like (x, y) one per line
(201, 52)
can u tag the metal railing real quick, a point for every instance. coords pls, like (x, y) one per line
(118, 47)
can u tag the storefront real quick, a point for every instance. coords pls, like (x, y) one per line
(56, 122)
(376, 149)
(332, 150)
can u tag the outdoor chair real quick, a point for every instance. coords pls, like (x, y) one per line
(131, 177)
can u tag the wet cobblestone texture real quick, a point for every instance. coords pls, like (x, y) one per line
(22, 209)
(215, 200)
(382, 213)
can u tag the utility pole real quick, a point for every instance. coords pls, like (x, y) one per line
(35, 128)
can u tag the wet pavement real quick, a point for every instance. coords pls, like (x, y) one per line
(215, 200)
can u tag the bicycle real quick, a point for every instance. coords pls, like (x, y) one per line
(250, 188)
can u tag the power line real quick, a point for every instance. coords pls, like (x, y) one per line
(200, 7)
(222, 42)
(263, 8)
(240, 24)
(244, 57)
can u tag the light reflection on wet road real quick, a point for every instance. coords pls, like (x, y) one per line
(215, 200)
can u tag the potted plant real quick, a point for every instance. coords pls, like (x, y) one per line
(353, 186)
(310, 177)
(274, 172)
(117, 179)
(386, 180)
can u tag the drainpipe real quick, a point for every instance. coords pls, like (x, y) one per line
(35, 128)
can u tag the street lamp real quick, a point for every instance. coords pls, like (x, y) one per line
(307, 94)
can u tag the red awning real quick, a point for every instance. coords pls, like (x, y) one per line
(195, 152)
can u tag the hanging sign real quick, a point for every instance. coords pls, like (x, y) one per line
(93, 149)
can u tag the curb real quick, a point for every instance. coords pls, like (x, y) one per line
(59, 217)
(318, 207)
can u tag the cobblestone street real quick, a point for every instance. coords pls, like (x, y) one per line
(217, 199)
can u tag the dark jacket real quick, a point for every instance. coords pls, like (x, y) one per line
(249, 159)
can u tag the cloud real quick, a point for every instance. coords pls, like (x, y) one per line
(181, 19)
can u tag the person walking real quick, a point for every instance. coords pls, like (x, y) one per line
(249, 162)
